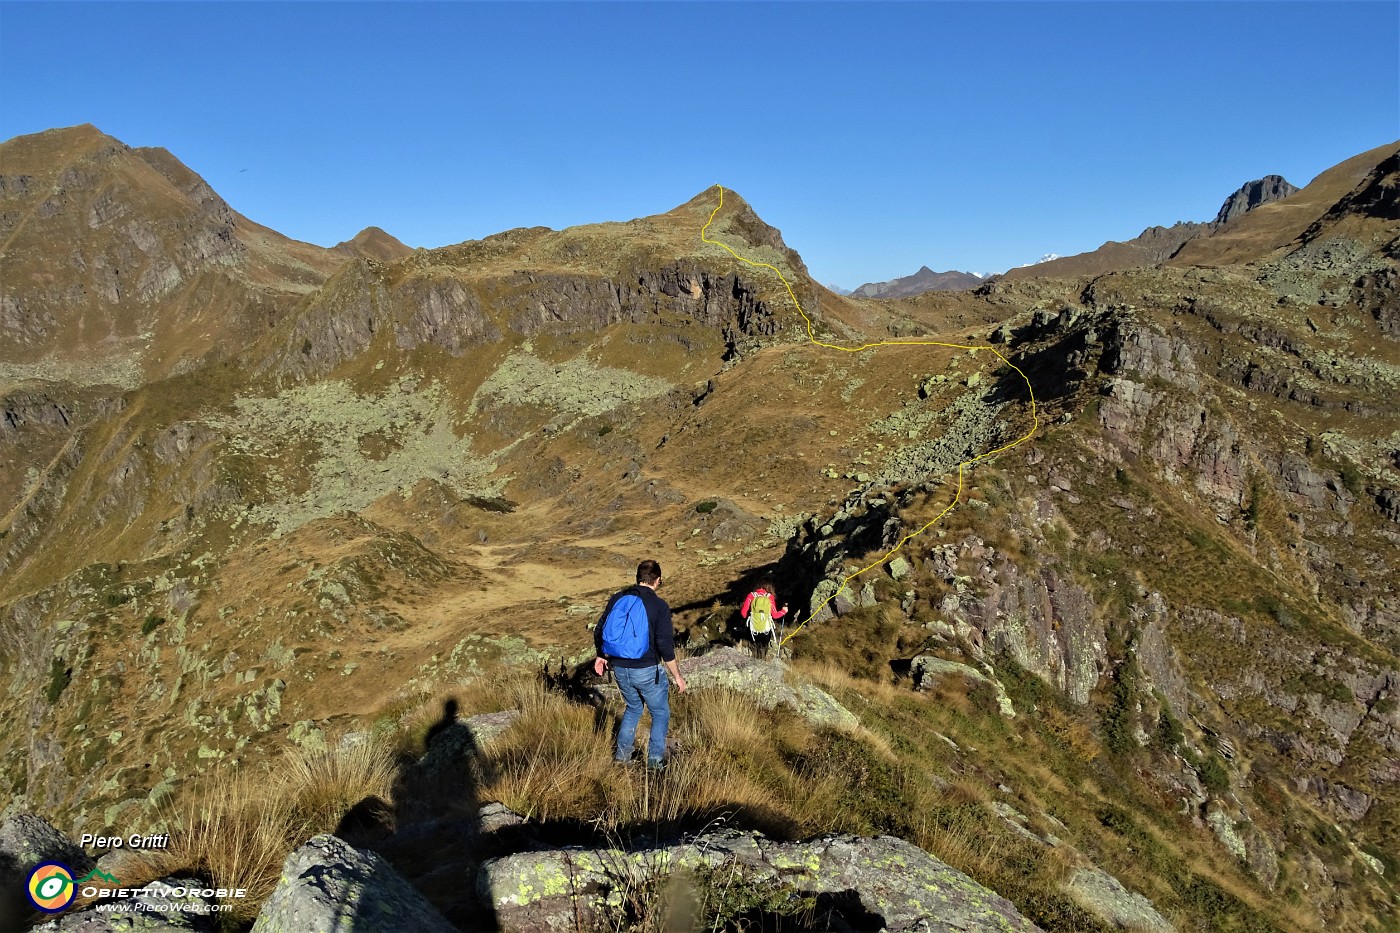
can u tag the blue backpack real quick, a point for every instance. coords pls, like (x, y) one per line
(626, 630)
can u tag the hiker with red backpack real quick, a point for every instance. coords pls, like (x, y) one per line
(759, 610)
(634, 638)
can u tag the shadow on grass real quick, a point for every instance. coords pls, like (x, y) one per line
(432, 830)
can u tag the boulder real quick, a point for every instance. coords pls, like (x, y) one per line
(328, 884)
(27, 840)
(853, 882)
(1104, 896)
(763, 680)
(486, 727)
(927, 669)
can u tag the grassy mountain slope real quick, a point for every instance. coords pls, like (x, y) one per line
(430, 471)
(121, 264)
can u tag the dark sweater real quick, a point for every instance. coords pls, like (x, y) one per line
(663, 639)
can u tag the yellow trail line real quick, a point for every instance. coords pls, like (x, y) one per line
(812, 338)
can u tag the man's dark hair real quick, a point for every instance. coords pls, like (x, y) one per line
(648, 571)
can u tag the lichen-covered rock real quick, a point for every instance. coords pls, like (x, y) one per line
(330, 885)
(763, 680)
(1224, 828)
(899, 568)
(876, 883)
(487, 727)
(1104, 896)
(26, 840)
(926, 669)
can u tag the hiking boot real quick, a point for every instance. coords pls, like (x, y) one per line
(656, 765)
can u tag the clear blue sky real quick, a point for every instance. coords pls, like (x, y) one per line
(878, 137)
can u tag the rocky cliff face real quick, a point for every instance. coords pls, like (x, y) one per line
(1254, 194)
(1213, 528)
(457, 309)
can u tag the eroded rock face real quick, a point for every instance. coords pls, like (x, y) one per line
(456, 309)
(328, 884)
(870, 883)
(1254, 194)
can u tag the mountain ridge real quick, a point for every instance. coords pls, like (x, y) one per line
(924, 280)
(373, 243)
(1191, 242)
(155, 246)
(1165, 634)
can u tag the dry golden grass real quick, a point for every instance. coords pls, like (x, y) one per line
(239, 829)
(1075, 734)
(236, 833)
(556, 763)
(322, 787)
(509, 689)
(831, 677)
(549, 764)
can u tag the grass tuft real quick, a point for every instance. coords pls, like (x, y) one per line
(238, 829)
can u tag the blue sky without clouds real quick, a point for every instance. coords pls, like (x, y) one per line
(878, 137)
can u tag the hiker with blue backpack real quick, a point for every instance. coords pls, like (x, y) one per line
(760, 610)
(635, 639)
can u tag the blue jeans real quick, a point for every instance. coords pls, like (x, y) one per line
(640, 686)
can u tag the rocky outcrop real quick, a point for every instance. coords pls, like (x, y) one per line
(457, 308)
(859, 882)
(1377, 197)
(1105, 897)
(27, 840)
(328, 884)
(1043, 620)
(732, 669)
(1253, 194)
(928, 670)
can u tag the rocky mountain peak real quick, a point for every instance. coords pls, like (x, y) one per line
(925, 280)
(111, 254)
(1253, 194)
(374, 243)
